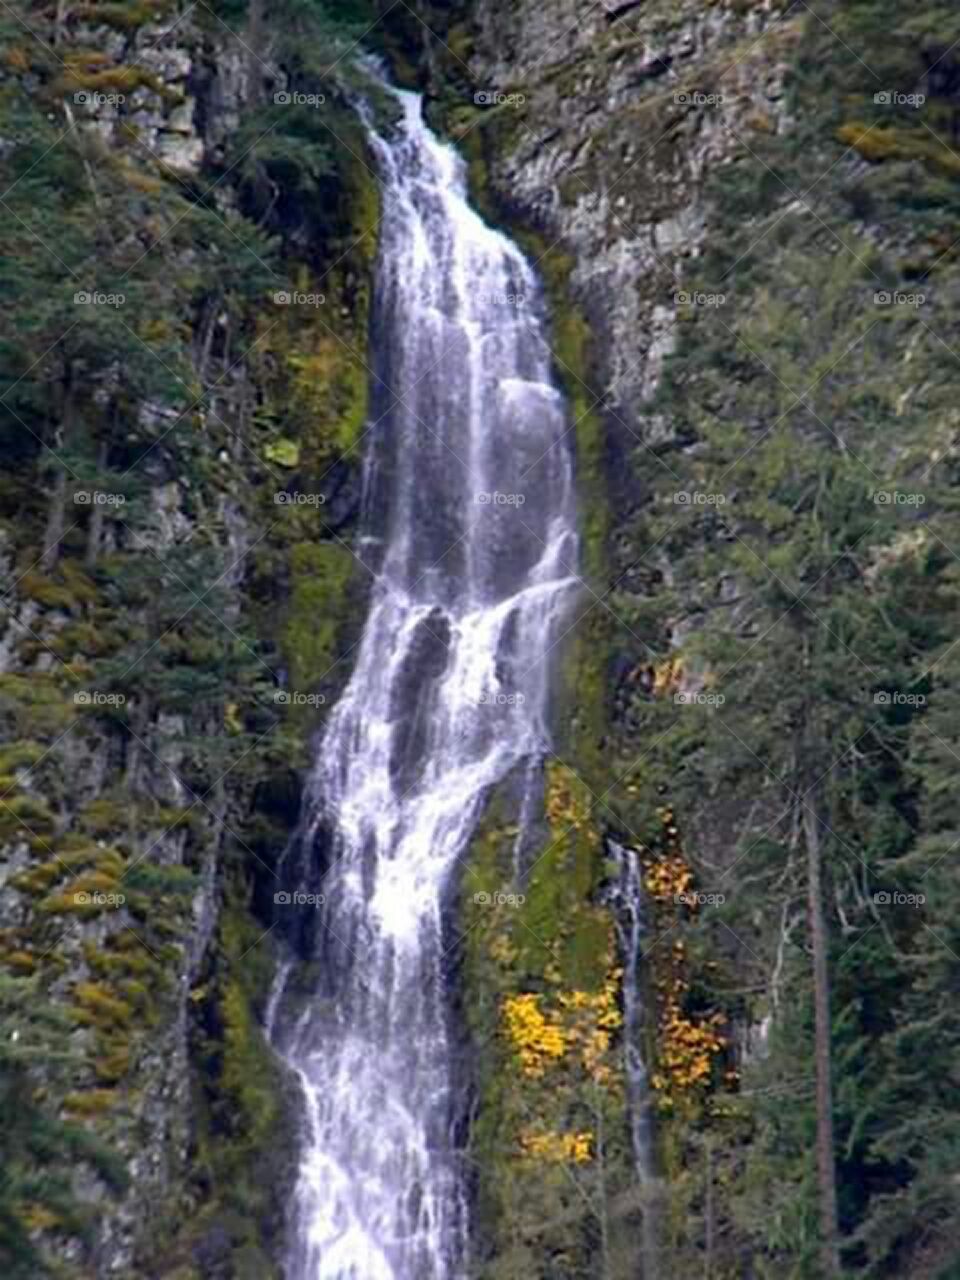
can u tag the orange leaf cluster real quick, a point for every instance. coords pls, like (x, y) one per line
(667, 875)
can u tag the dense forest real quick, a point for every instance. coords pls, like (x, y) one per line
(708, 1020)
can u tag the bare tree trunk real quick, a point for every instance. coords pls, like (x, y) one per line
(708, 1210)
(55, 521)
(56, 514)
(95, 532)
(602, 1192)
(256, 40)
(826, 1169)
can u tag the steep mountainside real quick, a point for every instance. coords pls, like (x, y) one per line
(705, 1004)
(748, 213)
(187, 248)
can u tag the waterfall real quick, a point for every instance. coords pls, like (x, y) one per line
(626, 895)
(470, 514)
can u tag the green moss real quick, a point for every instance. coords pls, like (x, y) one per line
(84, 638)
(80, 585)
(284, 452)
(105, 815)
(113, 80)
(83, 894)
(243, 1079)
(36, 704)
(362, 196)
(25, 815)
(320, 578)
(115, 964)
(97, 1006)
(90, 1102)
(20, 755)
(558, 940)
(244, 1140)
(37, 879)
(112, 1066)
(42, 590)
(459, 40)
(891, 143)
(109, 862)
(124, 17)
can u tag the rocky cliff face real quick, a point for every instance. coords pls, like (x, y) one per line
(602, 130)
(717, 196)
(183, 545)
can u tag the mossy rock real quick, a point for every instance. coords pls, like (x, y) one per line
(124, 17)
(105, 815)
(84, 893)
(321, 576)
(120, 78)
(23, 816)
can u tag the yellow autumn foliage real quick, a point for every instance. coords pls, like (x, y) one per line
(580, 1021)
(558, 1148)
(566, 807)
(667, 676)
(538, 1039)
(687, 1052)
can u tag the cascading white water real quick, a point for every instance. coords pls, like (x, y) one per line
(626, 895)
(471, 501)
